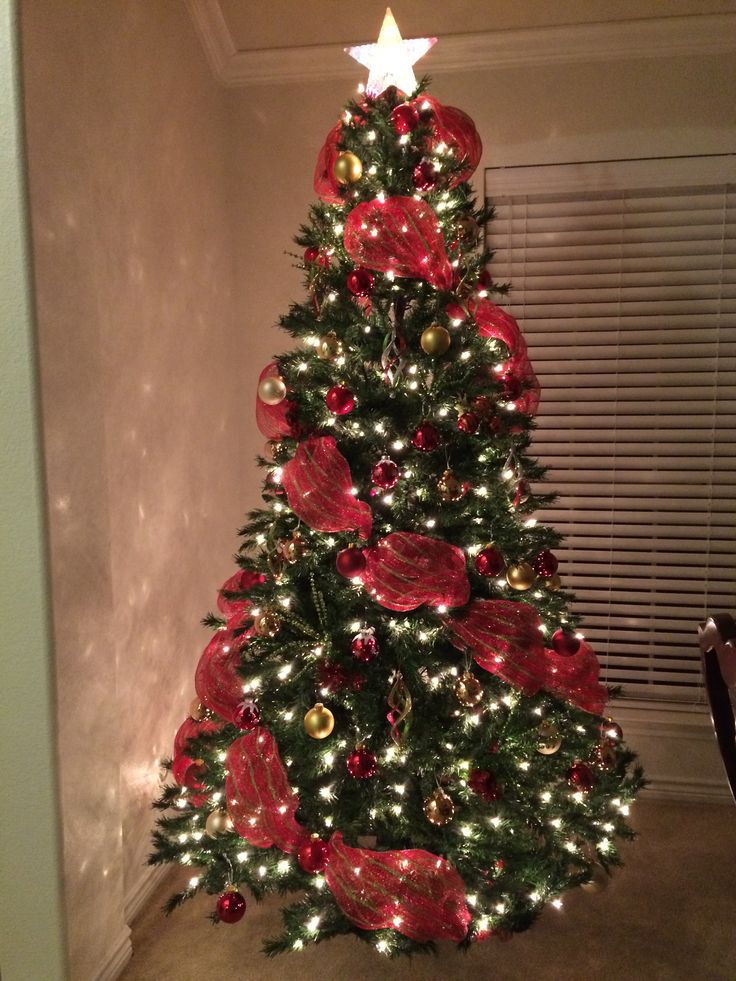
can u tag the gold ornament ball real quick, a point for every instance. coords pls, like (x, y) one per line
(272, 390)
(520, 576)
(598, 880)
(197, 710)
(549, 739)
(439, 808)
(217, 823)
(329, 347)
(468, 690)
(553, 583)
(267, 624)
(319, 722)
(348, 169)
(449, 487)
(435, 340)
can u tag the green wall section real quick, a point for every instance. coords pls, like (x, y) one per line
(30, 878)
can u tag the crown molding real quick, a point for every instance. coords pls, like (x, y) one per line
(661, 37)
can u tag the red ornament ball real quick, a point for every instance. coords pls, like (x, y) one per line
(545, 564)
(350, 562)
(364, 646)
(581, 777)
(565, 643)
(312, 855)
(613, 731)
(424, 176)
(426, 438)
(455, 312)
(385, 474)
(405, 118)
(489, 561)
(249, 715)
(468, 422)
(311, 254)
(340, 400)
(484, 784)
(512, 387)
(231, 906)
(360, 281)
(332, 677)
(361, 764)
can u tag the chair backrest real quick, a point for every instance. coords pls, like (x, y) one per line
(718, 651)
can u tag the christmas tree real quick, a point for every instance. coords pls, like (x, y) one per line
(396, 716)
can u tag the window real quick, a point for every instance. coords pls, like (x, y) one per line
(624, 283)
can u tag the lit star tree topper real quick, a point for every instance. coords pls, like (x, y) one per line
(390, 60)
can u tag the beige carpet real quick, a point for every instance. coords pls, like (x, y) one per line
(670, 913)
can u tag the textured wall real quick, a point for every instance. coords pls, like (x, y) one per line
(142, 415)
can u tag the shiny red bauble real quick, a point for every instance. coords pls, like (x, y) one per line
(426, 437)
(455, 312)
(405, 118)
(361, 764)
(385, 474)
(612, 731)
(360, 281)
(581, 777)
(512, 387)
(248, 715)
(484, 784)
(545, 564)
(565, 643)
(230, 907)
(311, 254)
(489, 561)
(424, 176)
(468, 422)
(350, 562)
(364, 647)
(340, 400)
(312, 855)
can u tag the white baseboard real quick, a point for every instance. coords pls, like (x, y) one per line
(142, 889)
(677, 749)
(117, 959)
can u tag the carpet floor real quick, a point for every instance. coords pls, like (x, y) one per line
(670, 913)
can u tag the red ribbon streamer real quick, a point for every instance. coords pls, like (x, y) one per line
(217, 681)
(399, 235)
(412, 891)
(405, 570)
(325, 185)
(318, 482)
(457, 130)
(260, 800)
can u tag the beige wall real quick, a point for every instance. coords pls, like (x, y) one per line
(142, 414)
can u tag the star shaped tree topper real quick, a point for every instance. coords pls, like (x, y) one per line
(390, 60)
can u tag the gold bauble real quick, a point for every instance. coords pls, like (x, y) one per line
(272, 390)
(450, 488)
(329, 347)
(520, 576)
(197, 710)
(267, 624)
(319, 722)
(439, 808)
(468, 690)
(435, 340)
(347, 169)
(553, 583)
(549, 739)
(292, 549)
(598, 880)
(217, 823)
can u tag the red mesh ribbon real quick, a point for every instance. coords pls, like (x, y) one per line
(412, 891)
(191, 729)
(575, 679)
(504, 638)
(405, 570)
(240, 582)
(325, 185)
(494, 322)
(217, 681)
(187, 772)
(520, 368)
(455, 128)
(399, 235)
(275, 421)
(317, 482)
(260, 800)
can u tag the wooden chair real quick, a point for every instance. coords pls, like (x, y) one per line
(718, 651)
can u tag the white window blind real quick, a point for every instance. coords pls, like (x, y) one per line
(624, 283)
